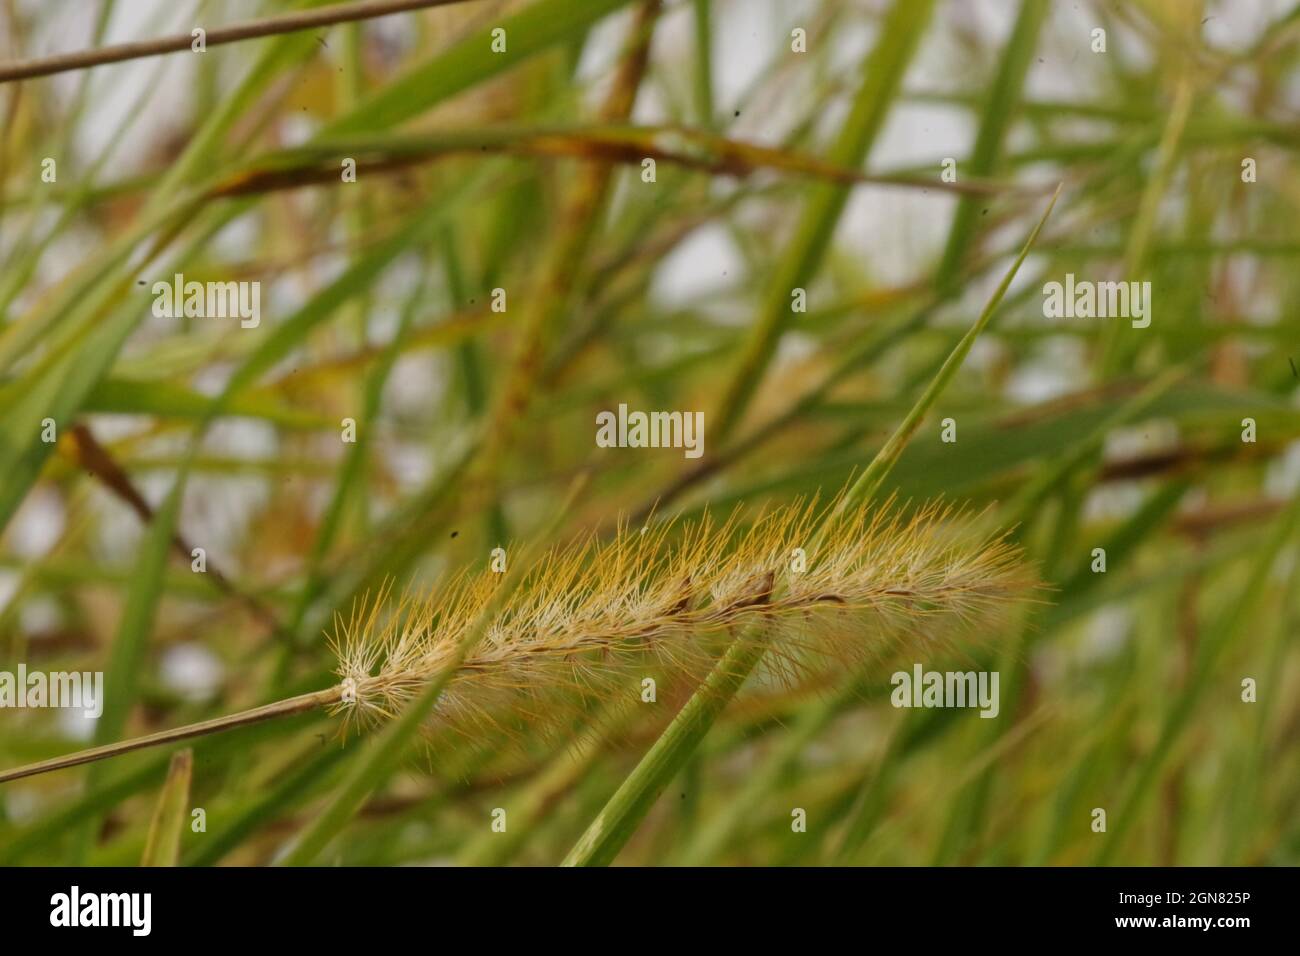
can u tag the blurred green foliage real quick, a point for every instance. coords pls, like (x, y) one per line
(523, 172)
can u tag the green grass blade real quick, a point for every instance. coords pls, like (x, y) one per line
(1224, 631)
(127, 657)
(882, 75)
(162, 847)
(869, 481)
(541, 26)
(1000, 110)
(618, 820)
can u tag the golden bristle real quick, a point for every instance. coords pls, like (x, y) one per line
(598, 615)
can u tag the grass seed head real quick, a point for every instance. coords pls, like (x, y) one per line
(592, 618)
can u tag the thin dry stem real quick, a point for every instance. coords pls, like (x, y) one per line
(280, 708)
(269, 26)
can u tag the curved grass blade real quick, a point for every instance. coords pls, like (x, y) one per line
(618, 820)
